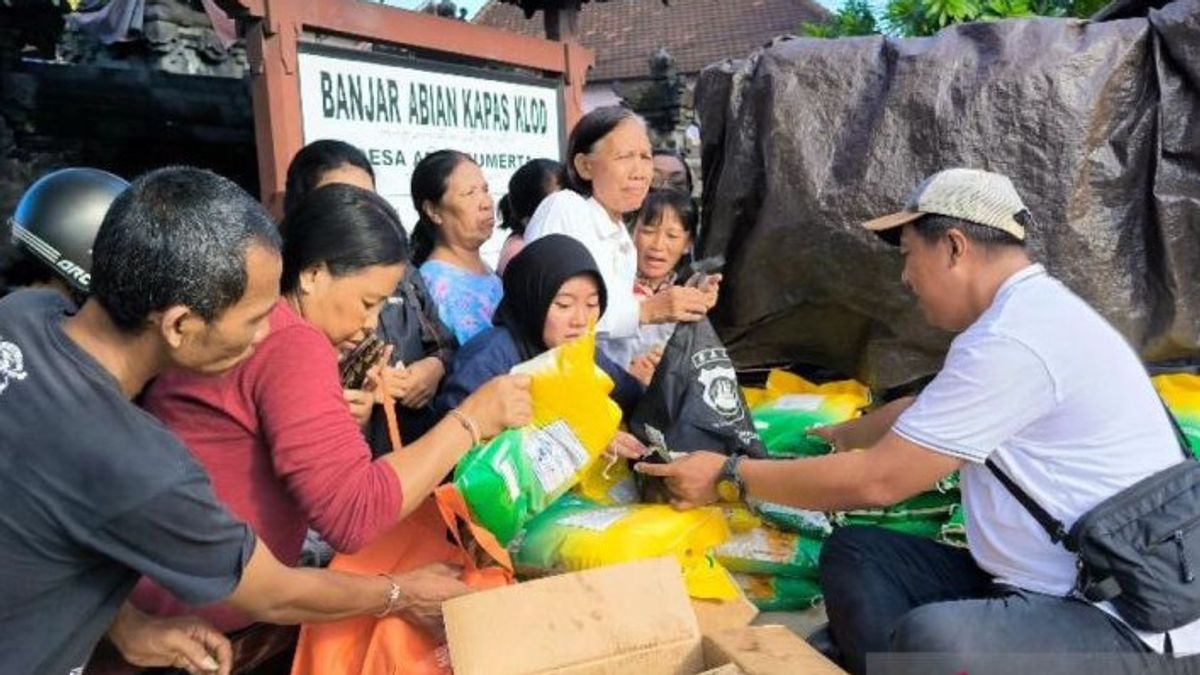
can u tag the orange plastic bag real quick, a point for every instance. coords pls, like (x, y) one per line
(368, 645)
(392, 646)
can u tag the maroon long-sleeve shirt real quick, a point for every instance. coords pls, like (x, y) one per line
(281, 449)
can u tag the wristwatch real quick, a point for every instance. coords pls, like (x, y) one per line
(730, 487)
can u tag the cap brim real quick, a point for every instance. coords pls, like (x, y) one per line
(891, 221)
(886, 226)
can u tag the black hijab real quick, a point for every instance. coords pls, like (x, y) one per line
(532, 279)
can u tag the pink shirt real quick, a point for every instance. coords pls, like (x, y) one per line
(281, 449)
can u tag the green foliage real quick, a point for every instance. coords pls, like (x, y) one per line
(854, 18)
(917, 18)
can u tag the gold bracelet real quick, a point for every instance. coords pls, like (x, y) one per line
(468, 424)
(393, 597)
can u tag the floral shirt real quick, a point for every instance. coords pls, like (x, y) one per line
(465, 300)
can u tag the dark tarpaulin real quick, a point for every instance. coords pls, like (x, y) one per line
(1098, 124)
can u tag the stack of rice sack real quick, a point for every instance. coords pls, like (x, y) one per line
(777, 562)
(546, 492)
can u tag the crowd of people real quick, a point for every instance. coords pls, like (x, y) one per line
(172, 397)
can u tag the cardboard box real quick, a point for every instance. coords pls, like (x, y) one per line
(766, 650)
(630, 618)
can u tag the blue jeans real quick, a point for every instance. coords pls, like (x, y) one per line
(893, 593)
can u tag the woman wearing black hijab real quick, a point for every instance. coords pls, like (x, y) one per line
(552, 291)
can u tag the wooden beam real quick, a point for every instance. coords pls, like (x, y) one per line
(271, 43)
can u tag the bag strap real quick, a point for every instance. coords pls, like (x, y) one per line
(389, 409)
(453, 508)
(1053, 526)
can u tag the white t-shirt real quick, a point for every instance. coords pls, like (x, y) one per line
(1044, 386)
(567, 212)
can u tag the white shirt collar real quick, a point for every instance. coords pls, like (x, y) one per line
(606, 227)
(1033, 270)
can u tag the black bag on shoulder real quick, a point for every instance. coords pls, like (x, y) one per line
(1140, 548)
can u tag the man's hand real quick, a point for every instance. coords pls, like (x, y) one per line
(675, 303)
(642, 367)
(691, 480)
(415, 385)
(501, 403)
(180, 642)
(423, 592)
(833, 435)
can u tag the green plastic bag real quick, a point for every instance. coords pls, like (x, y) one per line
(765, 550)
(780, 594)
(519, 473)
(784, 424)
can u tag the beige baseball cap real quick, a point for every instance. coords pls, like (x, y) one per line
(976, 196)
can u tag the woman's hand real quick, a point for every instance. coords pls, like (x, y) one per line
(675, 304)
(642, 367)
(501, 403)
(710, 285)
(415, 386)
(626, 446)
(361, 403)
(424, 590)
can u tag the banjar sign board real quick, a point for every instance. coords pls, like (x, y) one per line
(397, 110)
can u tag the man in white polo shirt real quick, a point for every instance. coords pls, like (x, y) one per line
(1037, 382)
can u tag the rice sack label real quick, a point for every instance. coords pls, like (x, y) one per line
(694, 398)
(576, 534)
(518, 474)
(765, 550)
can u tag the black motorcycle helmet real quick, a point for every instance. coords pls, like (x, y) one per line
(58, 217)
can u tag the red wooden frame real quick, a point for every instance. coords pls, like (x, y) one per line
(274, 32)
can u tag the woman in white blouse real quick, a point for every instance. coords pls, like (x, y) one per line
(609, 167)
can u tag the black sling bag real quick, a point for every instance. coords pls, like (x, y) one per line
(1139, 548)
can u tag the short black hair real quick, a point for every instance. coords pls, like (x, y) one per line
(430, 179)
(344, 227)
(687, 170)
(315, 160)
(176, 236)
(659, 200)
(932, 227)
(528, 186)
(589, 131)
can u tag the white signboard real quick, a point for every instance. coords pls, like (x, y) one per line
(397, 111)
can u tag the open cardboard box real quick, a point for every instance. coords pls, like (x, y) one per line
(630, 618)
